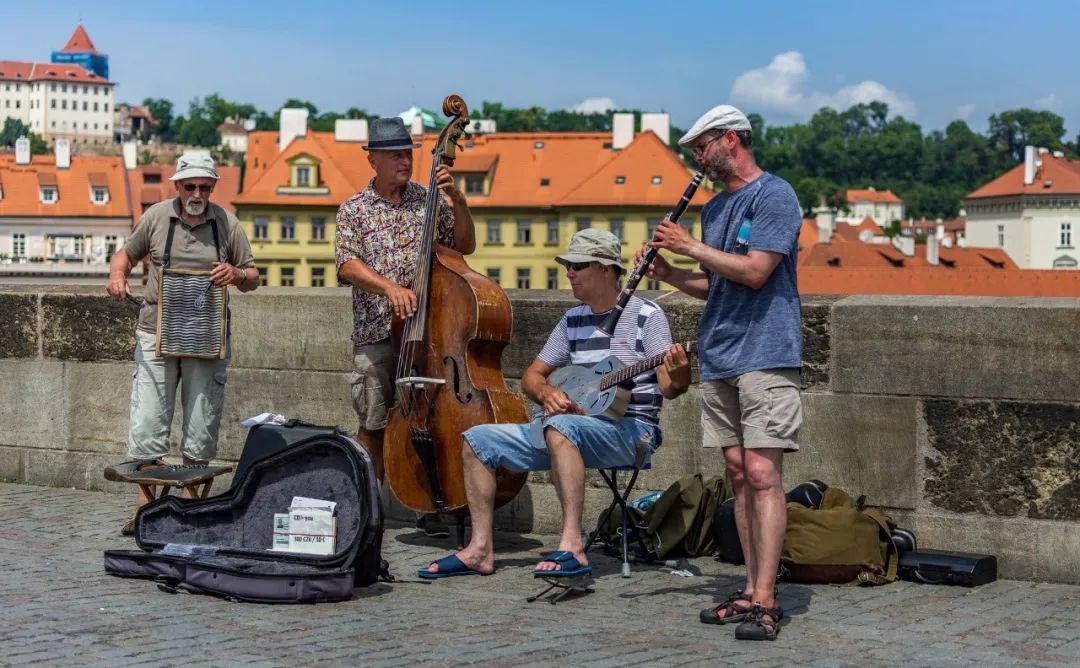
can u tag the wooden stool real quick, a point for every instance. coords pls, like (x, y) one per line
(155, 479)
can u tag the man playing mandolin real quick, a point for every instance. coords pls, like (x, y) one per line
(568, 440)
(378, 237)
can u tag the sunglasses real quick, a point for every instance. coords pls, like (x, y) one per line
(579, 266)
(191, 187)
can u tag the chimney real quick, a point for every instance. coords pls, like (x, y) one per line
(351, 129)
(961, 240)
(482, 126)
(1059, 154)
(939, 232)
(932, 257)
(22, 151)
(659, 123)
(826, 223)
(293, 124)
(947, 242)
(1029, 165)
(63, 154)
(417, 126)
(622, 131)
(131, 155)
(905, 245)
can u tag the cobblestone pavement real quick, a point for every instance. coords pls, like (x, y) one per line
(58, 607)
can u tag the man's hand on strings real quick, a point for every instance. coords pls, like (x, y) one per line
(402, 300)
(556, 402)
(445, 182)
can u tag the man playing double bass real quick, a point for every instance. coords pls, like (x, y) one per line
(378, 237)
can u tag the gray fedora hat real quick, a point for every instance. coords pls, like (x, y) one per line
(389, 134)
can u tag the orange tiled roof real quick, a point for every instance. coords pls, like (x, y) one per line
(535, 170)
(868, 195)
(21, 187)
(935, 281)
(148, 194)
(808, 234)
(855, 254)
(1056, 176)
(80, 42)
(13, 70)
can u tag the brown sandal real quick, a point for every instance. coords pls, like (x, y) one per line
(728, 612)
(761, 624)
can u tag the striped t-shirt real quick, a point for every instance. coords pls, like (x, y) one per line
(642, 332)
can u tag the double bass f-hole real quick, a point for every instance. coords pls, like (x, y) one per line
(462, 396)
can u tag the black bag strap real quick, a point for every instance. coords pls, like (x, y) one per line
(168, 243)
(169, 239)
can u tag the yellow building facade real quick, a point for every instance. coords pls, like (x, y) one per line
(528, 194)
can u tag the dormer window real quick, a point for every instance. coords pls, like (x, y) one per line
(474, 184)
(303, 177)
(48, 194)
(656, 180)
(620, 180)
(100, 195)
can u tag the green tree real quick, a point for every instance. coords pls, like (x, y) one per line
(14, 128)
(162, 111)
(1011, 131)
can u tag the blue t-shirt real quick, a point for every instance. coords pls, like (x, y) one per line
(742, 329)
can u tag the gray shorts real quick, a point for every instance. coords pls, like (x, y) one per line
(759, 409)
(372, 383)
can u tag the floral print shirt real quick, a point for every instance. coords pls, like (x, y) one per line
(386, 237)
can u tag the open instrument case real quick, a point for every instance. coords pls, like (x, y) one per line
(221, 545)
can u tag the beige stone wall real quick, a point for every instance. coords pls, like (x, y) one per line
(960, 416)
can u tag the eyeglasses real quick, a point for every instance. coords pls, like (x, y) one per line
(699, 150)
(191, 187)
(579, 266)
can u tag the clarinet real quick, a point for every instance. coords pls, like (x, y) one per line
(608, 326)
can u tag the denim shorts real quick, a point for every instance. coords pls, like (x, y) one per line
(603, 444)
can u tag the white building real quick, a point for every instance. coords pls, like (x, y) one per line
(234, 134)
(61, 215)
(56, 101)
(881, 206)
(1031, 211)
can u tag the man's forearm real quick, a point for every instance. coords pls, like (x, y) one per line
(120, 266)
(358, 273)
(695, 284)
(464, 229)
(741, 269)
(251, 279)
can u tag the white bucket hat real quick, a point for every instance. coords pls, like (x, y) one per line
(195, 166)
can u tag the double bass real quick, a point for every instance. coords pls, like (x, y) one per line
(449, 371)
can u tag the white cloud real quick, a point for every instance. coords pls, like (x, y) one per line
(780, 86)
(594, 105)
(1051, 101)
(964, 111)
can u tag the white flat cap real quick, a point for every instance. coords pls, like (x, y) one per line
(720, 117)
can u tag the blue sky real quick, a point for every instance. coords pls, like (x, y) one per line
(932, 61)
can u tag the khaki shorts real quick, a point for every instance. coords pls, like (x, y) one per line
(759, 409)
(372, 382)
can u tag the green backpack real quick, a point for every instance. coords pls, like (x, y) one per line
(842, 542)
(678, 524)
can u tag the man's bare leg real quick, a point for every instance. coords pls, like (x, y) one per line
(768, 508)
(568, 474)
(735, 460)
(480, 487)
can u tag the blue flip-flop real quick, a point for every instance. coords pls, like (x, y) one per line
(449, 567)
(569, 566)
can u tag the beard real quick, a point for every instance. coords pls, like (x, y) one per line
(195, 207)
(718, 167)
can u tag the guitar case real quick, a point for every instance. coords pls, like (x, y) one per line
(221, 545)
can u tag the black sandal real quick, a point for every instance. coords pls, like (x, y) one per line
(734, 613)
(761, 624)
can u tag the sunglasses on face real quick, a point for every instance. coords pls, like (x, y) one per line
(579, 266)
(191, 187)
